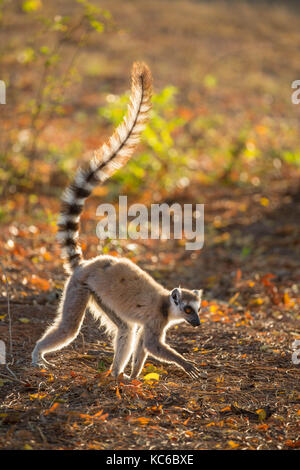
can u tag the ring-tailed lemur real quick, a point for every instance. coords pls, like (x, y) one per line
(134, 307)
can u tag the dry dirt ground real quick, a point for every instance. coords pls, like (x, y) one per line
(250, 318)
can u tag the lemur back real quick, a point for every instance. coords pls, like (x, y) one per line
(134, 307)
(125, 287)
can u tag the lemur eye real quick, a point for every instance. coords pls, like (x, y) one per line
(188, 309)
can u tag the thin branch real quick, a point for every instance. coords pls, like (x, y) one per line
(9, 329)
(8, 314)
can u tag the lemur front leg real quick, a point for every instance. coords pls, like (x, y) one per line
(123, 341)
(139, 355)
(123, 348)
(164, 353)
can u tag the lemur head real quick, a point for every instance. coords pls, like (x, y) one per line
(185, 305)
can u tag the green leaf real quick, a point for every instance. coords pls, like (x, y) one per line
(26, 56)
(97, 25)
(210, 81)
(31, 5)
(24, 320)
(44, 50)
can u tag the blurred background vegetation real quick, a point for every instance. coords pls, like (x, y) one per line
(222, 105)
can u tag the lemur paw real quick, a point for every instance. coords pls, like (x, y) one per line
(41, 363)
(192, 370)
(119, 377)
(38, 365)
(124, 377)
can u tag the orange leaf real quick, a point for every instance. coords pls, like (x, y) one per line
(142, 420)
(264, 427)
(40, 283)
(233, 444)
(265, 280)
(47, 256)
(238, 275)
(53, 408)
(248, 315)
(40, 396)
(99, 416)
(118, 393)
(293, 444)
(73, 374)
(227, 408)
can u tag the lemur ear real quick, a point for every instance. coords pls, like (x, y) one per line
(198, 292)
(176, 295)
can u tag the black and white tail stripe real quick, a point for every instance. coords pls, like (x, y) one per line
(111, 156)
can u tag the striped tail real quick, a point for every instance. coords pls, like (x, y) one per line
(108, 159)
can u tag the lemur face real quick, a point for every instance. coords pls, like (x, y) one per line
(186, 304)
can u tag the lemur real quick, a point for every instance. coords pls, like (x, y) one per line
(135, 309)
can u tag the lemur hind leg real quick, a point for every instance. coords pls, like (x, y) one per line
(67, 323)
(139, 355)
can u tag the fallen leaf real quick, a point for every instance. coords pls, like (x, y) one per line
(38, 396)
(40, 283)
(293, 444)
(27, 447)
(264, 427)
(118, 393)
(52, 409)
(151, 376)
(262, 414)
(233, 444)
